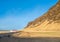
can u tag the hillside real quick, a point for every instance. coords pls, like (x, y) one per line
(48, 25)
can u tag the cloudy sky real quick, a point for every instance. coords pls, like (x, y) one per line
(15, 14)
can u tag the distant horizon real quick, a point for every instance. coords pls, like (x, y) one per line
(16, 14)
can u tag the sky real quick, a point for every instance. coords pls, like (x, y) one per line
(16, 14)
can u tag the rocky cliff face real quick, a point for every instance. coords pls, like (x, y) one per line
(53, 15)
(50, 21)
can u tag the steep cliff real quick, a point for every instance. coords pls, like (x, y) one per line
(50, 21)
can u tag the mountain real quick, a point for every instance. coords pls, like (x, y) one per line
(48, 25)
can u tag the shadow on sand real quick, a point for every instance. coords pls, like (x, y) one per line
(8, 38)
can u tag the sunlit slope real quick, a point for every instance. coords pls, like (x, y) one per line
(50, 21)
(45, 27)
(48, 25)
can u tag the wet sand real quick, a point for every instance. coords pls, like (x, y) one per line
(42, 39)
(7, 38)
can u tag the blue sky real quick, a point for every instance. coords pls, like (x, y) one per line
(15, 14)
